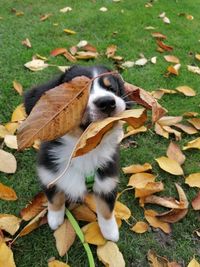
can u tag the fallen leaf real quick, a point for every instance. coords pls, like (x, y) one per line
(37, 56)
(157, 261)
(121, 211)
(193, 263)
(164, 46)
(103, 9)
(166, 20)
(45, 17)
(65, 9)
(185, 128)
(82, 43)
(153, 60)
(141, 62)
(128, 64)
(136, 168)
(9, 223)
(96, 130)
(167, 202)
(89, 200)
(172, 216)
(190, 114)
(193, 144)
(162, 15)
(141, 129)
(86, 55)
(140, 227)
(55, 107)
(173, 131)
(140, 180)
(27, 43)
(174, 69)
(36, 65)
(174, 152)
(8, 163)
(186, 90)
(111, 50)
(160, 131)
(189, 17)
(7, 193)
(169, 120)
(92, 234)
(197, 56)
(69, 57)
(65, 237)
(19, 114)
(58, 51)
(194, 69)
(195, 122)
(83, 213)
(196, 202)
(11, 141)
(169, 165)
(110, 255)
(68, 31)
(63, 68)
(174, 264)
(3, 131)
(158, 35)
(18, 87)
(150, 216)
(6, 256)
(193, 180)
(89, 47)
(56, 263)
(149, 28)
(34, 207)
(149, 189)
(172, 59)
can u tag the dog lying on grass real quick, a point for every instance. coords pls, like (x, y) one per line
(107, 98)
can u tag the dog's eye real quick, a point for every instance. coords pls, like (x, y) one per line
(110, 88)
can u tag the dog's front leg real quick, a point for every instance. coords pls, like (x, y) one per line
(105, 194)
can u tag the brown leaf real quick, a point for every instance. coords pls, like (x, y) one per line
(190, 114)
(186, 90)
(18, 87)
(8, 163)
(27, 43)
(110, 255)
(6, 256)
(174, 69)
(89, 47)
(9, 223)
(57, 112)
(160, 131)
(92, 234)
(193, 180)
(58, 51)
(156, 261)
(149, 189)
(196, 202)
(170, 165)
(185, 128)
(140, 227)
(86, 55)
(56, 263)
(140, 180)
(164, 46)
(167, 202)
(45, 17)
(111, 50)
(172, 59)
(193, 144)
(153, 220)
(195, 122)
(143, 98)
(96, 130)
(19, 114)
(173, 131)
(65, 237)
(34, 207)
(69, 56)
(7, 193)
(174, 152)
(158, 35)
(89, 200)
(136, 168)
(83, 213)
(172, 216)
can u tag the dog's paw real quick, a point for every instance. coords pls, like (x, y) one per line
(55, 218)
(109, 228)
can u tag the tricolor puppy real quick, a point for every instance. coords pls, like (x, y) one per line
(106, 99)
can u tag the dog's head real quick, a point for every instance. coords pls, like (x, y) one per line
(107, 98)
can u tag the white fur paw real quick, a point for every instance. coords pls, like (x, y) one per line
(55, 218)
(109, 228)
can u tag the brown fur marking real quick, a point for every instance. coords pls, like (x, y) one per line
(103, 208)
(57, 202)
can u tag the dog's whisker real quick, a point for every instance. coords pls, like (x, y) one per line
(125, 95)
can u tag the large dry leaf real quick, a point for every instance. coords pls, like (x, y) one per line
(161, 131)
(171, 58)
(182, 196)
(193, 180)
(9, 223)
(18, 87)
(83, 213)
(137, 168)
(186, 90)
(58, 111)
(19, 114)
(8, 163)
(7, 193)
(36, 65)
(174, 152)
(185, 128)
(172, 216)
(170, 165)
(92, 234)
(34, 207)
(110, 255)
(145, 99)
(11, 141)
(170, 130)
(65, 237)
(121, 211)
(193, 144)
(140, 227)
(36, 222)
(150, 216)
(195, 122)
(6, 256)
(167, 202)
(196, 202)
(169, 120)
(96, 130)
(193, 263)
(140, 180)
(56, 263)
(141, 129)
(149, 189)
(89, 200)
(156, 261)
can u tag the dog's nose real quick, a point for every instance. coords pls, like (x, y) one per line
(106, 104)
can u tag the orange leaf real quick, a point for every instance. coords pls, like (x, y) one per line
(186, 90)
(121, 211)
(164, 46)
(169, 120)
(69, 56)
(136, 168)
(86, 55)
(150, 216)
(149, 189)
(174, 152)
(93, 234)
(172, 59)
(185, 128)
(174, 69)
(7, 193)
(58, 51)
(44, 17)
(6, 256)
(83, 213)
(18, 87)
(19, 114)
(193, 180)
(172, 216)
(140, 180)
(167, 202)
(161, 131)
(140, 227)
(170, 165)
(56, 263)
(158, 35)
(141, 129)
(89, 200)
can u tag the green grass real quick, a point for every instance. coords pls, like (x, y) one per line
(128, 18)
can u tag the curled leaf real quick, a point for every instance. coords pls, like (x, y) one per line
(7, 193)
(136, 168)
(193, 144)
(150, 216)
(174, 152)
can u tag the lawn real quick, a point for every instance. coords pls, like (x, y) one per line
(123, 25)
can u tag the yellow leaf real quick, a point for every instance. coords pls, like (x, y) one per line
(193, 180)
(150, 216)
(161, 131)
(197, 56)
(8, 163)
(6, 256)
(174, 69)
(89, 200)
(137, 168)
(149, 189)
(140, 180)
(19, 114)
(7, 193)
(141, 129)
(186, 90)
(169, 120)
(86, 55)
(9, 223)
(193, 263)
(140, 227)
(185, 128)
(175, 153)
(11, 141)
(3, 131)
(56, 263)
(193, 144)
(18, 87)
(157, 261)
(11, 127)
(110, 255)
(121, 211)
(171, 58)
(195, 122)
(36, 65)
(68, 31)
(170, 165)
(92, 234)
(83, 213)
